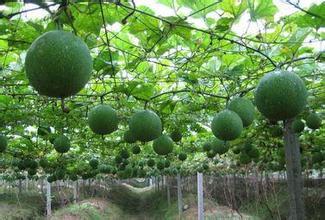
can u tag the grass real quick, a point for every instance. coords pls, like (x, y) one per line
(127, 202)
(142, 203)
(122, 203)
(82, 211)
(27, 205)
(276, 205)
(270, 206)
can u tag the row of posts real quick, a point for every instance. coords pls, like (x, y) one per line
(200, 201)
(151, 183)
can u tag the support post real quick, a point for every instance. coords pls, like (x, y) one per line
(48, 200)
(150, 181)
(200, 207)
(20, 185)
(42, 185)
(163, 181)
(179, 196)
(75, 189)
(294, 176)
(168, 191)
(26, 181)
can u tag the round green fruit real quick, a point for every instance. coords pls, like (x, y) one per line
(32, 164)
(145, 125)
(3, 143)
(207, 146)
(317, 157)
(163, 145)
(298, 126)
(52, 138)
(114, 170)
(86, 176)
(236, 149)
(247, 146)
(121, 166)
(22, 164)
(104, 169)
(244, 108)
(280, 95)
(51, 178)
(60, 174)
(58, 64)
(182, 156)
(141, 173)
(276, 131)
(118, 159)
(176, 135)
(103, 119)
(61, 144)
(141, 163)
(136, 149)
(124, 153)
(32, 172)
(205, 166)
(313, 121)
(73, 177)
(244, 158)
(43, 131)
(167, 163)
(216, 143)
(219, 146)
(253, 153)
(44, 163)
(151, 162)
(128, 137)
(161, 165)
(199, 169)
(211, 154)
(222, 149)
(227, 125)
(93, 163)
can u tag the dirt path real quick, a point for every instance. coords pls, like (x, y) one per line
(212, 210)
(127, 196)
(138, 190)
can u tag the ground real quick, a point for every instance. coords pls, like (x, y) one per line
(124, 201)
(146, 198)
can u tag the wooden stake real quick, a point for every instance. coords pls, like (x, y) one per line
(179, 196)
(294, 176)
(48, 200)
(200, 206)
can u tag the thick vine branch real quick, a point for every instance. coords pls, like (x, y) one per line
(186, 91)
(303, 10)
(124, 20)
(9, 16)
(299, 59)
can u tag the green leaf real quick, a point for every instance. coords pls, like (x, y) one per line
(143, 91)
(261, 9)
(177, 28)
(86, 23)
(307, 20)
(295, 41)
(201, 7)
(103, 62)
(224, 24)
(168, 106)
(137, 26)
(213, 65)
(233, 7)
